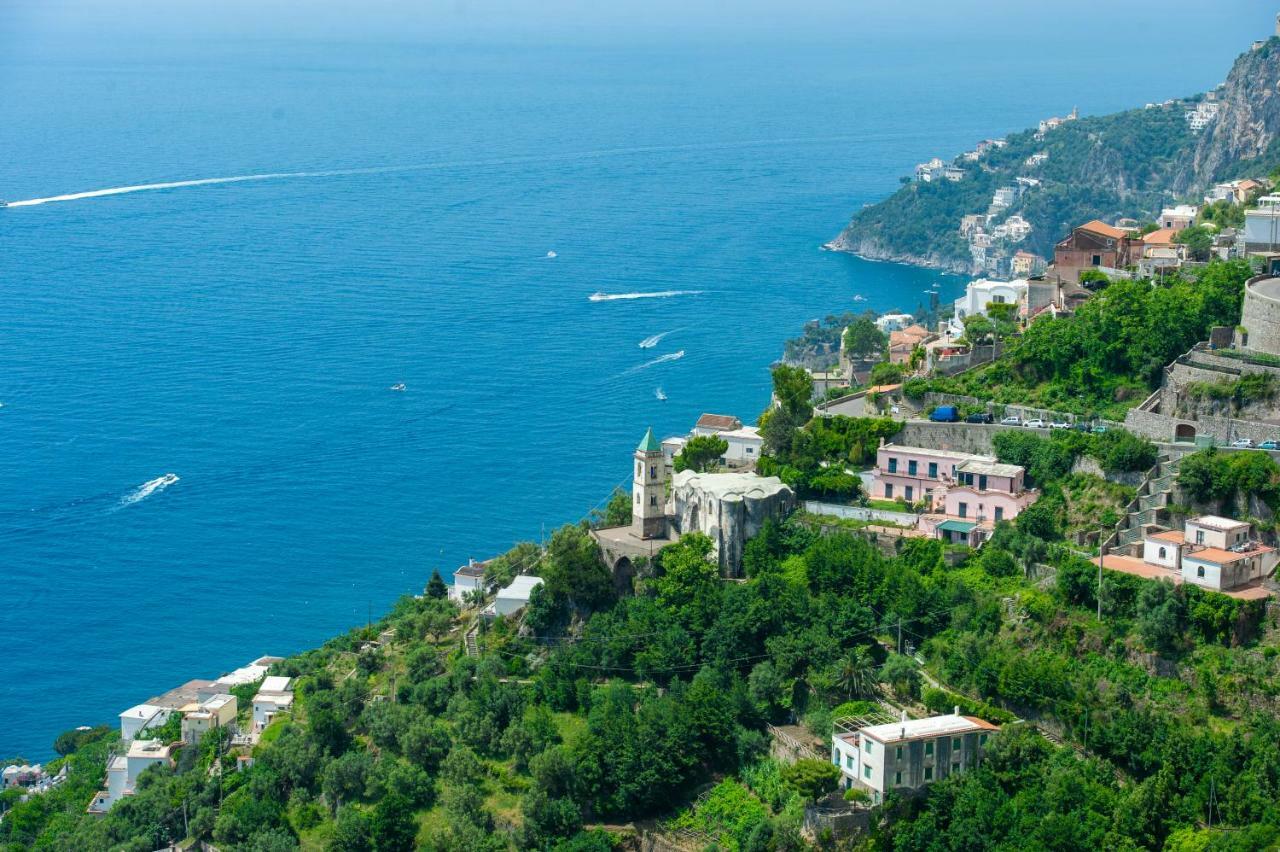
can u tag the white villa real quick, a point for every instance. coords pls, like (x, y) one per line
(515, 596)
(908, 754)
(275, 696)
(978, 294)
(123, 771)
(467, 579)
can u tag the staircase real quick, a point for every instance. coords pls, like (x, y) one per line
(1154, 494)
(473, 650)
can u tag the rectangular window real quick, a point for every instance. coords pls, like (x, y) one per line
(848, 760)
(982, 482)
(893, 465)
(955, 743)
(955, 767)
(999, 513)
(982, 739)
(933, 470)
(911, 467)
(897, 778)
(1199, 536)
(866, 771)
(928, 773)
(653, 499)
(867, 745)
(909, 489)
(898, 753)
(964, 510)
(928, 748)
(888, 491)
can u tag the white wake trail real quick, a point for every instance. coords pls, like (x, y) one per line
(570, 156)
(650, 342)
(146, 489)
(660, 294)
(661, 359)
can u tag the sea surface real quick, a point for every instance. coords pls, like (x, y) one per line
(201, 457)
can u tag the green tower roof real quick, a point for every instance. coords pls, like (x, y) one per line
(649, 444)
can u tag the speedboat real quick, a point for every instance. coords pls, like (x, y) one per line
(399, 386)
(3, 203)
(552, 254)
(597, 297)
(660, 395)
(859, 298)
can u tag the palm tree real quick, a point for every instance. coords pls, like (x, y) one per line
(855, 675)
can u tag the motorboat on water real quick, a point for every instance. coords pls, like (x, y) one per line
(398, 386)
(660, 395)
(597, 297)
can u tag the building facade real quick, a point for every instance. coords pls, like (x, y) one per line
(649, 489)
(909, 754)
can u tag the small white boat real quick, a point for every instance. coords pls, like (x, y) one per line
(398, 386)
(660, 395)
(597, 297)
(859, 298)
(552, 254)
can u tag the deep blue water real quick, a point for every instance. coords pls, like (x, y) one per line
(243, 336)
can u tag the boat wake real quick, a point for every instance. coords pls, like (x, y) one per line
(569, 156)
(662, 397)
(146, 489)
(660, 294)
(661, 359)
(650, 342)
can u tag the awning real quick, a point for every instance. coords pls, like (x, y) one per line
(956, 526)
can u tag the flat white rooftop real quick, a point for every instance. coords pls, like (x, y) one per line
(275, 683)
(934, 726)
(1215, 522)
(521, 587)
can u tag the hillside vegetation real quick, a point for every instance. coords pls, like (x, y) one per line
(1128, 164)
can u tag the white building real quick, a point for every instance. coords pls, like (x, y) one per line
(133, 720)
(1004, 196)
(1217, 553)
(1015, 229)
(978, 294)
(1199, 117)
(251, 673)
(1179, 217)
(895, 322)
(467, 580)
(745, 446)
(672, 447)
(1262, 225)
(910, 753)
(123, 771)
(274, 696)
(953, 173)
(1037, 158)
(516, 596)
(933, 170)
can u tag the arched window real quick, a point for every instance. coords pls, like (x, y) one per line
(1200, 571)
(1163, 553)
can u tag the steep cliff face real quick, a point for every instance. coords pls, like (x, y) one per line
(1248, 121)
(1100, 167)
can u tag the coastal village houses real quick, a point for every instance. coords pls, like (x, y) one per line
(1094, 245)
(907, 754)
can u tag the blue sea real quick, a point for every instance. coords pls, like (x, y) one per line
(243, 336)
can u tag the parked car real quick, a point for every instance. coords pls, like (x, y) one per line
(1081, 427)
(1269, 445)
(1059, 424)
(1011, 420)
(1243, 443)
(1034, 423)
(980, 417)
(945, 414)
(1099, 429)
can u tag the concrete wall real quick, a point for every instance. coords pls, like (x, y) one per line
(974, 438)
(1261, 317)
(860, 513)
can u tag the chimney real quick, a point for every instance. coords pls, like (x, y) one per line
(956, 711)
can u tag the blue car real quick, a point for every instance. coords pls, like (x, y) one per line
(1269, 445)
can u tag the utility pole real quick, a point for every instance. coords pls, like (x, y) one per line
(899, 634)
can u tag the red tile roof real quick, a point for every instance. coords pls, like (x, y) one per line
(1097, 226)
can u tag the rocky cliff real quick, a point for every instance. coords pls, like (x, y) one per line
(1099, 167)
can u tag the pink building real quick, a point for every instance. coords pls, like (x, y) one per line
(913, 473)
(987, 490)
(965, 494)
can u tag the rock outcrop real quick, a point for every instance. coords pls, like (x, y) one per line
(729, 508)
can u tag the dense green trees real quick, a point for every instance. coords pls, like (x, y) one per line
(864, 340)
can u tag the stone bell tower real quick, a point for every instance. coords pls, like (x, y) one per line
(649, 490)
